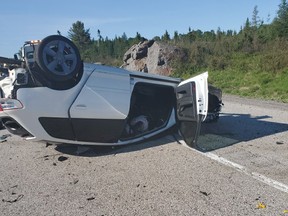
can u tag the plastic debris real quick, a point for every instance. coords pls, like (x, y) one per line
(205, 193)
(261, 205)
(75, 181)
(62, 158)
(48, 144)
(14, 200)
(4, 137)
(90, 198)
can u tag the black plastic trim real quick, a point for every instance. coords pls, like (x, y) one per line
(58, 127)
(86, 130)
(155, 78)
(98, 130)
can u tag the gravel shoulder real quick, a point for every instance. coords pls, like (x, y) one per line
(159, 177)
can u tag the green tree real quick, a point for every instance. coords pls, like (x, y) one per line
(255, 25)
(124, 37)
(176, 36)
(256, 22)
(246, 37)
(138, 37)
(166, 36)
(281, 21)
(79, 35)
(209, 35)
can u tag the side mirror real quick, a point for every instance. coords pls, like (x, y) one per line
(15, 56)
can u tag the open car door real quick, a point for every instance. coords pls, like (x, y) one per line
(192, 107)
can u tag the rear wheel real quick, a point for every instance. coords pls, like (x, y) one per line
(59, 58)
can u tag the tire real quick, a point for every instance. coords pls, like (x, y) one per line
(58, 58)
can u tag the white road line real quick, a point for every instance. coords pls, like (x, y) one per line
(271, 182)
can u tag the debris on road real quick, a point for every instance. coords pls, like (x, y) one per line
(62, 158)
(205, 193)
(90, 198)
(75, 181)
(48, 144)
(4, 137)
(261, 205)
(14, 200)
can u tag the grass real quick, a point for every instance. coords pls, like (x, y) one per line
(253, 84)
(258, 75)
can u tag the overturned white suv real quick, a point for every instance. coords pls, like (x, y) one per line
(51, 95)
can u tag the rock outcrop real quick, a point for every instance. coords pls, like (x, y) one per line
(152, 57)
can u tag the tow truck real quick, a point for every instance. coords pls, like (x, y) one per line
(13, 71)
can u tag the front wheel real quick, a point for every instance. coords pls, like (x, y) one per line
(59, 58)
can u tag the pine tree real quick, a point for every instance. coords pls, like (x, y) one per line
(176, 37)
(166, 36)
(79, 35)
(281, 21)
(255, 18)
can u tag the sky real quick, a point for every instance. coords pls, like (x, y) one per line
(35, 19)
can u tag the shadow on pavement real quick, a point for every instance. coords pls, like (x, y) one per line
(230, 129)
(234, 128)
(97, 151)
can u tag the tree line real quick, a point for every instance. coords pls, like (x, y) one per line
(256, 47)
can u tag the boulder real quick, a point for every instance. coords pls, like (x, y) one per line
(152, 57)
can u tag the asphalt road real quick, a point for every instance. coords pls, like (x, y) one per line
(240, 169)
